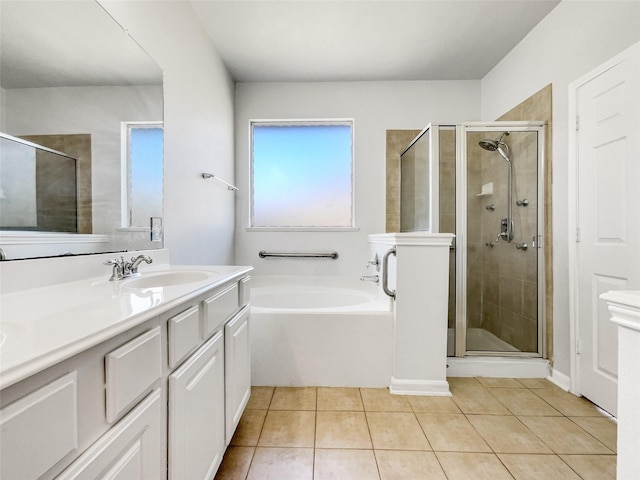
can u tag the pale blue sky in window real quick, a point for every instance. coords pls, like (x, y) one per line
(302, 175)
(145, 175)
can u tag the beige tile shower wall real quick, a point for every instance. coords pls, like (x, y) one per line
(397, 142)
(507, 277)
(538, 107)
(79, 147)
(447, 187)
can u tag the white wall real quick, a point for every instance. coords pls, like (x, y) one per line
(375, 108)
(573, 39)
(3, 127)
(198, 116)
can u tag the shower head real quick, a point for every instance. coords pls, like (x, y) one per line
(496, 146)
(490, 145)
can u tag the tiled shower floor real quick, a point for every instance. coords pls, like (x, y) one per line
(491, 428)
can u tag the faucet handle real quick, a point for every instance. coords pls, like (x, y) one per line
(375, 261)
(118, 268)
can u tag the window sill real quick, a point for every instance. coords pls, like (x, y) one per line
(302, 229)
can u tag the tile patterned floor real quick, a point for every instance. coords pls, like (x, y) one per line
(490, 428)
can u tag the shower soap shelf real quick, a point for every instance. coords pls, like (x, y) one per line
(487, 189)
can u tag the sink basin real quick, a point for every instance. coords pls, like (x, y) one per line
(165, 279)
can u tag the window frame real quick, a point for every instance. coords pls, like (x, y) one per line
(125, 171)
(301, 122)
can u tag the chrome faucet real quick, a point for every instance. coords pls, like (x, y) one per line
(123, 269)
(375, 261)
(131, 268)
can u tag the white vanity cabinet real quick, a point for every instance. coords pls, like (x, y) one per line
(160, 400)
(132, 450)
(196, 413)
(237, 369)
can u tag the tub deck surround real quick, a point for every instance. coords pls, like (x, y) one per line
(43, 326)
(319, 331)
(420, 278)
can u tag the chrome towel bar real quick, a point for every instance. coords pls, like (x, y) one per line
(333, 255)
(211, 175)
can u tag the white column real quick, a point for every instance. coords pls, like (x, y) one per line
(421, 282)
(625, 312)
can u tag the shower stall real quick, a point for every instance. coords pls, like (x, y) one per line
(484, 183)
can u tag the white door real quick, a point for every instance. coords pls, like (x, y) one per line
(608, 216)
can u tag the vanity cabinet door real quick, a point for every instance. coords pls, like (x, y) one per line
(196, 414)
(131, 450)
(39, 430)
(237, 369)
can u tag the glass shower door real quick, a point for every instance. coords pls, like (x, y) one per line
(498, 303)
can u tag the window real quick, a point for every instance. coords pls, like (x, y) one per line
(143, 173)
(302, 174)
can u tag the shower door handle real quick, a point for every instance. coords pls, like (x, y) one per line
(385, 273)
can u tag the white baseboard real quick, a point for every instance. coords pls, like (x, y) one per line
(439, 388)
(560, 379)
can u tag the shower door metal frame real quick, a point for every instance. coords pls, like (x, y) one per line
(461, 233)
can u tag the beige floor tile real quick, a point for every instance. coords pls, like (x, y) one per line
(593, 467)
(477, 401)
(505, 434)
(396, 431)
(432, 404)
(339, 399)
(521, 401)
(500, 382)
(604, 429)
(249, 428)
(282, 464)
(294, 398)
(288, 429)
(537, 383)
(342, 430)
(235, 463)
(536, 467)
(405, 465)
(260, 398)
(463, 382)
(567, 403)
(472, 466)
(451, 433)
(345, 465)
(381, 400)
(563, 436)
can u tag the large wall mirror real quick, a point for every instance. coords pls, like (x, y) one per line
(73, 82)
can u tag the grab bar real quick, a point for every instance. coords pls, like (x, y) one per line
(333, 255)
(385, 273)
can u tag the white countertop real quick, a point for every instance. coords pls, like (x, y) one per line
(40, 327)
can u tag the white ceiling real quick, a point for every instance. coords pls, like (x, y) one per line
(359, 40)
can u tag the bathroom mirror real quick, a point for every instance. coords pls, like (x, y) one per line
(72, 80)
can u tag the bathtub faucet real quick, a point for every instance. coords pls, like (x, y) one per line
(370, 278)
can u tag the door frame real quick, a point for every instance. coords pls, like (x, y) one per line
(572, 191)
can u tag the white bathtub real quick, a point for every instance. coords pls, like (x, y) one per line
(320, 331)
